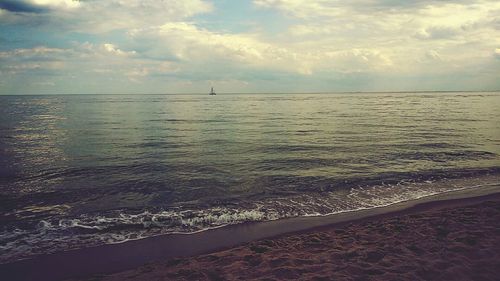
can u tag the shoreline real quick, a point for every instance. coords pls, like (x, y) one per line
(111, 258)
(450, 240)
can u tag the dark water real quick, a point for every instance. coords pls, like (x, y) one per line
(78, 171)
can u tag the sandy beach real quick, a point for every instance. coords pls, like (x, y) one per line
(443, 240)
(249, 140)
(453, 236)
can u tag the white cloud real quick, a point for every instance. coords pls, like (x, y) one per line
(36, 52)
(433, 55)
(103, 16)
(358, 60)
(438, 32)
(153, 40)
(303, 8)
(398, 34)
(57, 3)
(111, 48)
(40, 59)
(497, 53)
(188, 43)
(57, 61)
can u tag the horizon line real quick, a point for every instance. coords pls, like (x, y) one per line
(260, 93)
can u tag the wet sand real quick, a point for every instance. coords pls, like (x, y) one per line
(441, 240)
(434, 237)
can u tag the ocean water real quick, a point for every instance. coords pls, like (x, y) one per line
(84, 170)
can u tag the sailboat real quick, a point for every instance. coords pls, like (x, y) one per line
(212, 93)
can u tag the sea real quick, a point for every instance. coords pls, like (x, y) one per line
(79, 171)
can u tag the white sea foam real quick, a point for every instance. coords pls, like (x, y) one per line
(120, 226)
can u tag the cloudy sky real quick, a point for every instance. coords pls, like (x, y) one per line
(168, 46)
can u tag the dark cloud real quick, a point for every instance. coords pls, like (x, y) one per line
(18, 6)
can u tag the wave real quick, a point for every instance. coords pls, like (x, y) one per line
(118, 226)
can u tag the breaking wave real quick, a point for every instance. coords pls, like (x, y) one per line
(121, 225)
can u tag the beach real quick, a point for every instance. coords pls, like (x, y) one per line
(444, 240)
(99, 186)
(249, 140)
(452, 236)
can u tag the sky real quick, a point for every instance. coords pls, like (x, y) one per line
(188, 46)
